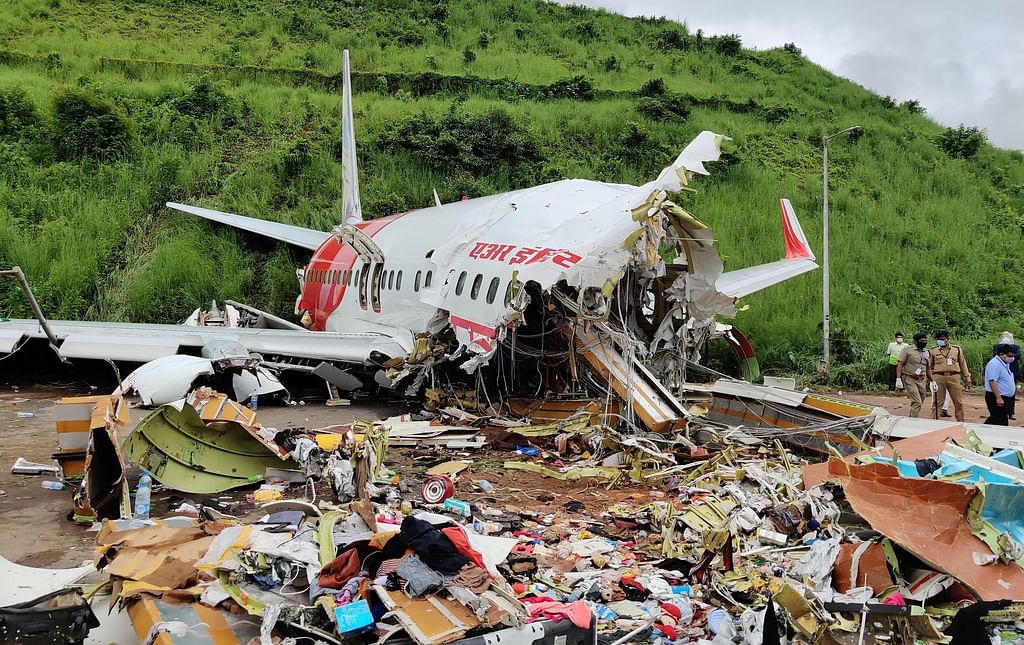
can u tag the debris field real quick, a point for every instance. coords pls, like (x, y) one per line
(539, 521)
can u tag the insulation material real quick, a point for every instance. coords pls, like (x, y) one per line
(929, 519)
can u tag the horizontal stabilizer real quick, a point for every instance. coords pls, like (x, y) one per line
(799, 258)
(295, 235)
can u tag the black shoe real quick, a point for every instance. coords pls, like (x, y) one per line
(945, 413)
(1012, 418)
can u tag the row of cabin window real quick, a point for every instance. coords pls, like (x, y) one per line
(389, 279)
(393, 280)
(474, 291)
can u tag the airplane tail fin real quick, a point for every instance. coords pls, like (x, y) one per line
(797, 247)
(351, 210)
(798, 259)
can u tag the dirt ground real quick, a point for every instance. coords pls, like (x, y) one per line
(34, 529)
(898, 403)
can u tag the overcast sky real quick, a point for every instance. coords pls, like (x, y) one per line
(964, 61)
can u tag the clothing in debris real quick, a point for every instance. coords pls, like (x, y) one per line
(339, 570)
(473, 578)
(420, 579)
(433, 546)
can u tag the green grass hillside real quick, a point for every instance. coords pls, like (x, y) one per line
(108, 109)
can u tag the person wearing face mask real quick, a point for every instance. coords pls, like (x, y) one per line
(914, 371)
(999, 385)
(948, 366)
(1006, 338)
(893, 352)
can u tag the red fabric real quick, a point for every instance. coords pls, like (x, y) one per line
(667, 630)
(340, 570)
(578, 612)
(672, 610)
(461, 542)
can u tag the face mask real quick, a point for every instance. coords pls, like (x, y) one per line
(1009, 359)
(921, 343)
(940, 343)
(899, 339)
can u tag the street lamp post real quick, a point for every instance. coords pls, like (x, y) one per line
(827, 354)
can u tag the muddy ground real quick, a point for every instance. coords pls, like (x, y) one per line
(34, 529)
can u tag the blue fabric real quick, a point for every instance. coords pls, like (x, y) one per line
(998, 371)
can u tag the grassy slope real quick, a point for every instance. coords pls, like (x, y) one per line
(920, 240)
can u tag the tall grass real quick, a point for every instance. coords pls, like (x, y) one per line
(919, 240)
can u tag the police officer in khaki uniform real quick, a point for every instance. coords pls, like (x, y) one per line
(914, 371)
(948, 366)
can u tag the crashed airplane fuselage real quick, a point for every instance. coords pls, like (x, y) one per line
(457, 281)
(519, 284)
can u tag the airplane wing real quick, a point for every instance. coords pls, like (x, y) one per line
(799, 259)
(138, 342)
(295, 235)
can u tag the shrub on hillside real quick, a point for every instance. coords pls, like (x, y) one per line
(653, 87)
(18, 114)
(473, 143)
(577, 88)
(670, 39)
(667, 107)
(913, 106)
(727, 45)
(88, 126)
(962, 142)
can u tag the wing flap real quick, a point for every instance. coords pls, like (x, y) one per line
(124, 348)
(306, 238)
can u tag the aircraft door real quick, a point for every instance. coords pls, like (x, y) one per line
(375, 279)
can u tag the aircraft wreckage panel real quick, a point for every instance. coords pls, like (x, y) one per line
(182, 452)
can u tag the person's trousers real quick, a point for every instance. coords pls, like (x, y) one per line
(997, 416)
(949, 383)
(892, 377)
(917, 391)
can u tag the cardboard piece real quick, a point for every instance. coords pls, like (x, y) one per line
(929, 519)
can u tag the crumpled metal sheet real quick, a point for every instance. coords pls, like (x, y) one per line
(181, 451)
(929, 519)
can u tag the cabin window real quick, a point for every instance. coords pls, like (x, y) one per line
(416, 281)
(345, 276)
(398, 282)
(391, 280)
(492, 290)
(475, 291)
(461, 284)
(426, 281)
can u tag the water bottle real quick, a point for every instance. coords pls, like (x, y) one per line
(252, 401)
(142, 496)
(52, 485)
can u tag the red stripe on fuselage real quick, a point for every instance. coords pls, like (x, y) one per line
(321, 300)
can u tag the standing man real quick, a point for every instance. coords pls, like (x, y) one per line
(893, 352)
(914, 372)
(1006, 338)
(948, 366)
(999, 382)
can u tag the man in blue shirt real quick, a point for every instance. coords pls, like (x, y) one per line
(999, 385)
